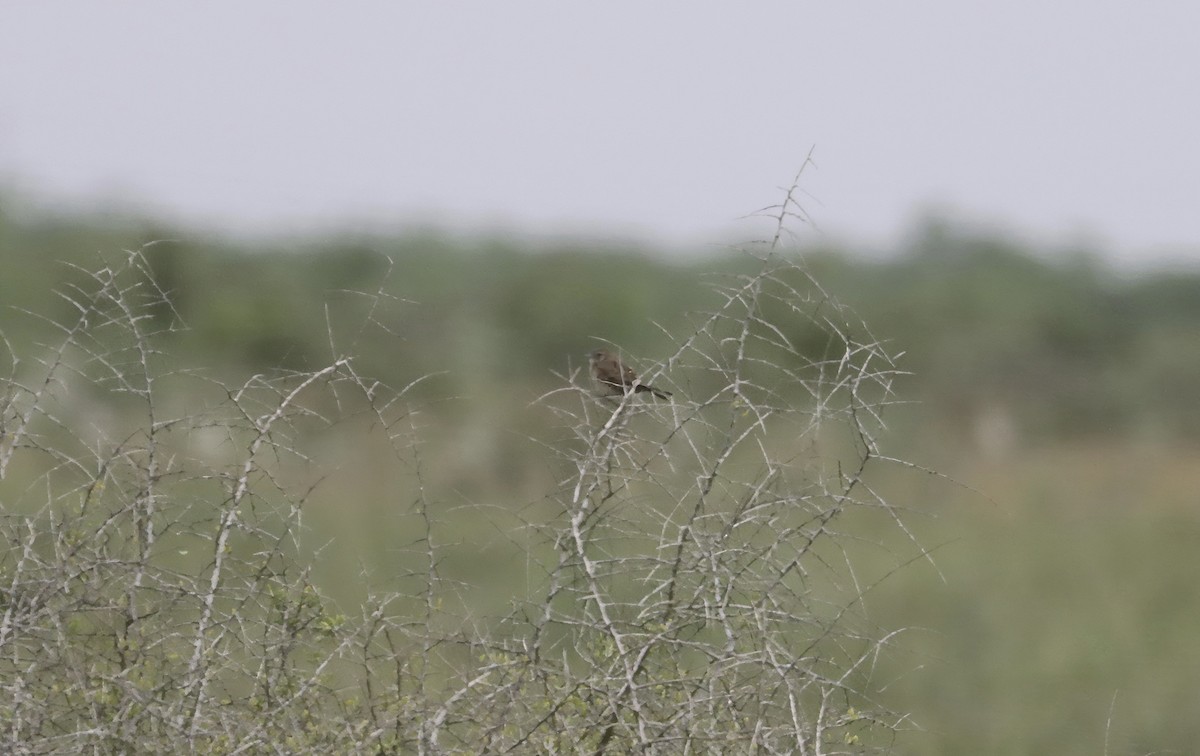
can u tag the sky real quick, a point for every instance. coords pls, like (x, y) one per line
(668, 122)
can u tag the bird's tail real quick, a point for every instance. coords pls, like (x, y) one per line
(658, 393)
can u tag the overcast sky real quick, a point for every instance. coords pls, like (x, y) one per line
(662, 121)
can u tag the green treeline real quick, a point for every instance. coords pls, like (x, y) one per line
(1057, 347)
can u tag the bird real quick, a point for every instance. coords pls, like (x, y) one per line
(617, 376)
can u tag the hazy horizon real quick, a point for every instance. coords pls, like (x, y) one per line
(658, 125)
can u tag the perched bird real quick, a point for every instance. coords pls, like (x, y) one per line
(617, 376)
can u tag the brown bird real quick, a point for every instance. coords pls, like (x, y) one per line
(617, 376)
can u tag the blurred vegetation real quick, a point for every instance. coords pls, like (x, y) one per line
(1049, 347)
(1065, 392)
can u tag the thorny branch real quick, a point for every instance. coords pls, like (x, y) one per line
(691, 592)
